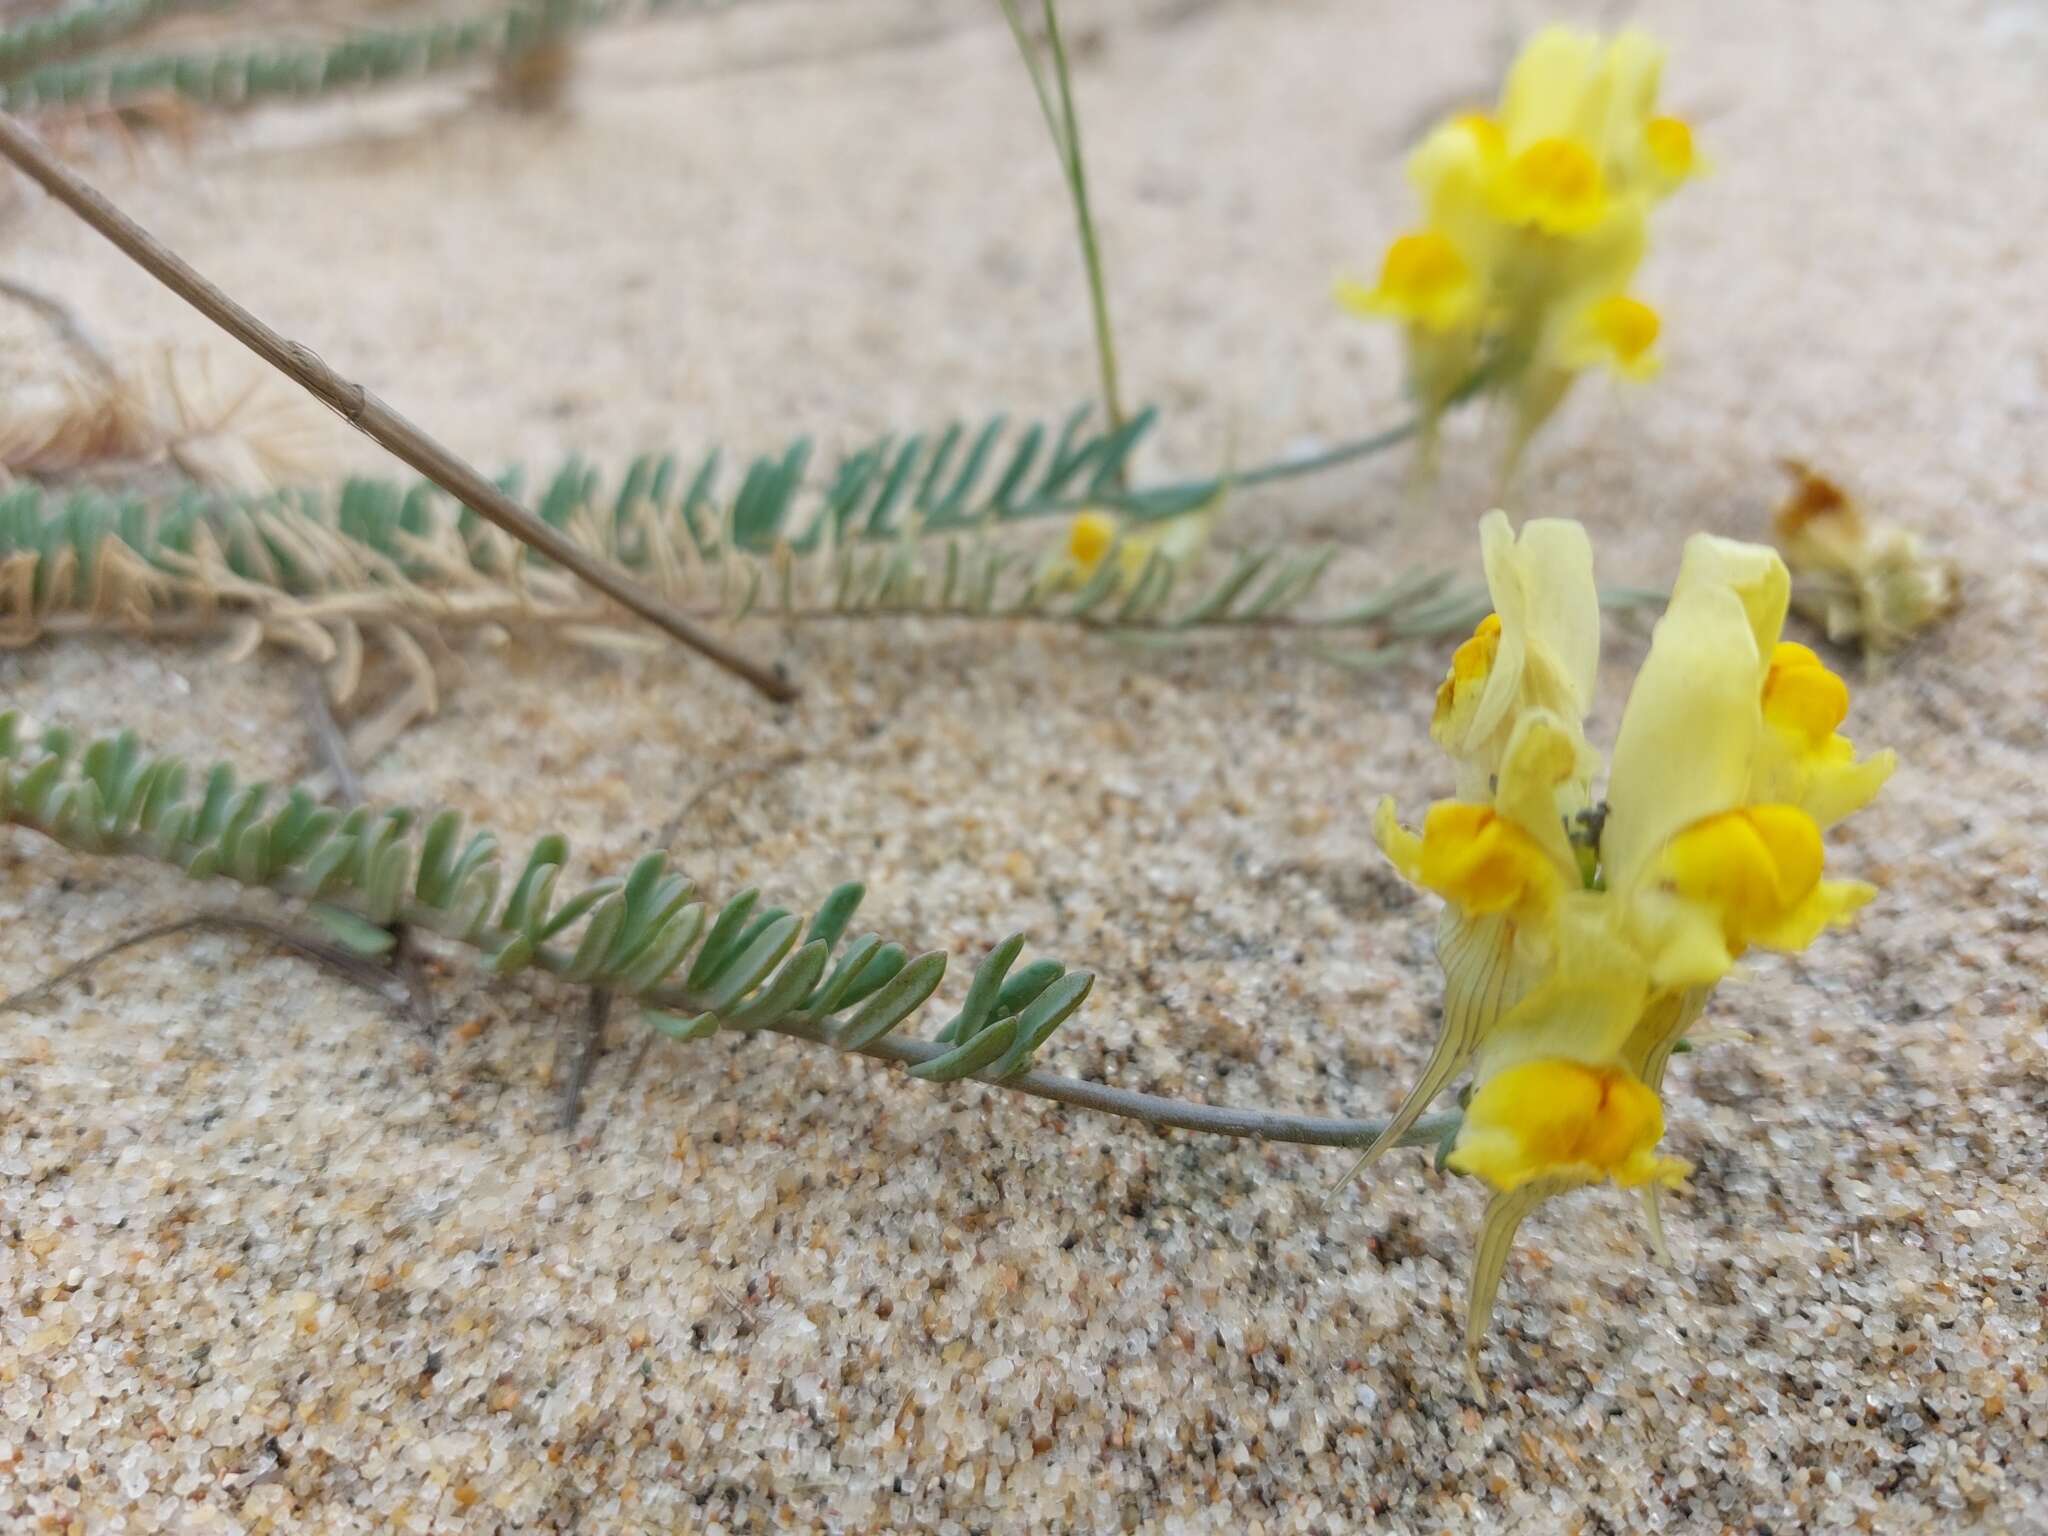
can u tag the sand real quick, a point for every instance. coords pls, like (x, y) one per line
(268, 1262)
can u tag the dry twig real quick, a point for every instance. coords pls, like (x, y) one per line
(365, 411)
(351, 968)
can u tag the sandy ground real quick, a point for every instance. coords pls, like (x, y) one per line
(270, 1263)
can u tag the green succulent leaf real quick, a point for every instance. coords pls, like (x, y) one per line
(762, 952)
(965, 1060)
(895, 1001)
(984, 991)
(1047, 1012)
(356, 934)
(699, 1027)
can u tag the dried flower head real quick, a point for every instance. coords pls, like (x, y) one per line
(1864, 583)
(63, 417)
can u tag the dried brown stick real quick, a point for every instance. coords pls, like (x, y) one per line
(364, 411)
(349, 967)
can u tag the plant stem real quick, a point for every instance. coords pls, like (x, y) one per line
(1148, 1108)
(364, 411)
(1091, 254)
(351, 968)
(1153, 1108)
(596, 1015)
(1064, 124)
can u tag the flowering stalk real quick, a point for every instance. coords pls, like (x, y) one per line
(1582, 936)
(1535, 218)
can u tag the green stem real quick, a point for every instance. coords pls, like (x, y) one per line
(1064, 124)
(94, 834)
(1162, 501)
(1091, 254)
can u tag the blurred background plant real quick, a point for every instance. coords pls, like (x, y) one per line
(1535, 219)
(1866, 583)
(146, 62)
(173, 510)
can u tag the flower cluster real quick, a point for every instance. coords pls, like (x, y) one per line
(1534, 221)
(1581, 938)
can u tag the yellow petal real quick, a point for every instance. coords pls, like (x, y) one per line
(1669, 141)
(1831, 904)
(1556, 1117)
(1802, 697)
(1483, 863)
(1832, 789)
(1549, 90)
(1754, 572)
(1549, 606)
(1627, 331)
(1424, 280)
(1688, 734)
(1631, 72)
(1540, 649)
(1750, 876)
(1402, 847)
(1353, 297)
(1453, 168)
(1585, 999)
(1801, 758)
(1458, 696)
(1089, 537)
(1555, 185)
(1753, 865)
(1536, 790)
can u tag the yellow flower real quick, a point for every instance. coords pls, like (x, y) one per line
(1623, 330)
(1803, 759)
(1535, 219)
(1423, 280)
(1694, 745)
(1554, 185)
(1538, 650)
(1551, 1118)
(1741, 878)
(1093, 535)
(1089, 537)
(1580, 942)
(1477, 860)
(1670, 146)
(1803, 698)
(1504, 870)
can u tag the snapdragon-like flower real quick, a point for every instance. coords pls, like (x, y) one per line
(1535, 219)
(1580, 940)
(1095, 536)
